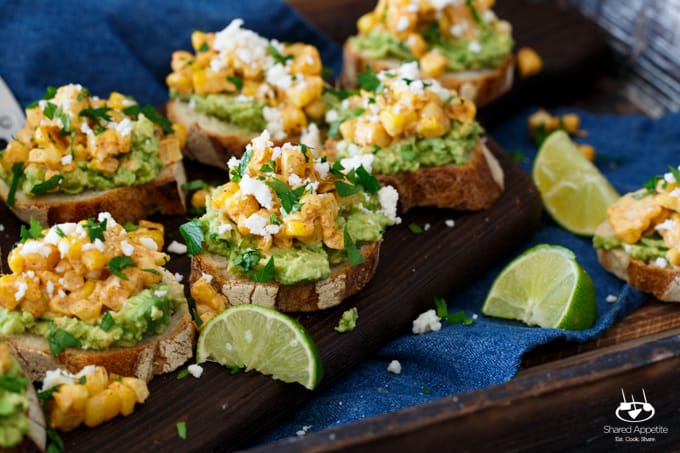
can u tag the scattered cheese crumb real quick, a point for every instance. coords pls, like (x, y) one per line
(177, 248)
(208, 278)
(148, 243)
(179, 277)
(450, 223)
(394, 367)
(127, 248)
(661, 262)
(474, 47)
(2, 227)
(612, 298)
(427, 322)
(195, 370)
(303, 431)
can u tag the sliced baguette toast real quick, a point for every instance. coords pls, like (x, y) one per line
(129, 203)
(210, 140)
(480, 86)
(154, 355)
(344, 281)
(662, 283)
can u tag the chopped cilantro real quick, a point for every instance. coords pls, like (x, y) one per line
(129, 226)
(266, 274)
(305, 151)
(204, 48)
(182, 430)
(354, 255)
(649, 186)
(475, 14)
(274, 219)
(195, 184)
(59, 232)
(367, 180)
(426, 390)
(182, 374)
(34, 231)
(96, 114)
(369, 81)
(13, 384)
(17, 174)
(345, 189)
(440, 307)
(238, 172)
(233, 369)
(47, 394)
(151, 271)
(339, 93)
(459, 317)
(107, 322)
(60, 339)
(432, 35)
(326, 72)
(49, 110)
(82, 380)
(118, 263)
(56, 444)
(540, 134)
(237, 81)
(50, 92)
(51, 184)
(194, 313)
(152, 114)
(517, 156)
(95, 230)
(268, 167)
(290, 198)
(675, 172)
(278, 58)
(415, 228)
(247, 260)
(192, 233)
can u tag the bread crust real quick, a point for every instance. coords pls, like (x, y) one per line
(157, 354)
(480, 86)
(662, 283)
(209, 140)
(128, 203)
(344, 281)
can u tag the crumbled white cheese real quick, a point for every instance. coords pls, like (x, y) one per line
(195, 370)
(427, 226)
(310, 136)
(675, 193)
(67, 159)
(409, 71)
(259, 189)
(488, 16)
(2, 227)
(106, 216)
(160, 293)
(394, 367)
(279, 76)
(669, 177)
(365, 160)
(294, 180)
(261, 142)
(388, 198)
(450, 223)
(97, 244)
(611, 298)
(403, 23)
(303, 431)
(179, 277)
(666, 225)
(224, 228)
(127, 248)
(332, 115)
(57, 377)
(427, 322)
(49, 287)
(148, 243)
(661, 262)
(474, 47)
(274, 120)
(322, 168)
(177, 248)
(207, 277)
(260, 226)
(124, 127)
(21, 287)
(30, 247)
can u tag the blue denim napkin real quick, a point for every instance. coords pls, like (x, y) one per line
(125, 45)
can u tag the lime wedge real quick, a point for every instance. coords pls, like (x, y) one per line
(573, 190)
(546, 287)
(262, 339)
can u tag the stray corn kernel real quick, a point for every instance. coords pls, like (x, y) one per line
(587, 150)
(529, 62)
(546, 123)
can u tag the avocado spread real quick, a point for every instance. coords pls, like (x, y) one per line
(14, 423)
(646, 249)
(147, 313)
(242, 111)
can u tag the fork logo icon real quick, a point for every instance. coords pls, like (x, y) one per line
(634, 411)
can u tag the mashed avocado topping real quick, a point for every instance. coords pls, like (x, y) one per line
(443, 36)
(288, 216)
(244, 79)
(91, 284)
(14, 423)
(402, 123)
(646, 223)
(73, 141)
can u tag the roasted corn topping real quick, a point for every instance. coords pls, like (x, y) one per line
(651, 217)
(91, 397)
(441, 34)
(73, 141)
(97, 280)
(283, 79)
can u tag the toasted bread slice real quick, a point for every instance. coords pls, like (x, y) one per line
(128, 203)
(662, 282)
(154, 355)
(210, 140)
(480, 86)
(344, 281)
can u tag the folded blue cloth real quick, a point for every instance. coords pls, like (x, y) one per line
(125, 45)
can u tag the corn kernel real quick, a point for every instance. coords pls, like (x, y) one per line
(97, 381)
(588, 151)
(198, 198)
(433, 121)
(371, 133)
(416, 44)
(293, 119)
(528, 62)
(197, 40)
(366, 23)
(298, 228)
(348, 128)
(571, 123)
(138, 386)
(392, 121)
(101, 407)
(433, 64)
(182, 83)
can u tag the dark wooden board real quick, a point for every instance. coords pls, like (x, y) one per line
(225, 411)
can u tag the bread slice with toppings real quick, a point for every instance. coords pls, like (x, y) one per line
(94, 293)
(463, 45)
(237, 83)
(78, 155)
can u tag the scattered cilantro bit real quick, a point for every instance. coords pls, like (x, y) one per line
(107, 322)
(517, 156)
(268, 167)
(95, 230)
(274, 219)
(118, 263)
(47, 394)
(367, 180)
(17, 174)
(326, 72)
(348, 320)
(195, 184)
(194, 313)
(182, 374)
(50, 92)
(675, 172)
(247, 260)
(345, 189)
(540, 134)
(82, 380)
(305, 151)
(233, 369)
(426, 390)
(51, 184)
(266, 274)
(34, 231)
(56, 444)
(415, 228)
(432, 35)
(237, 81)
(238, 171)
(459, 317)
(278, 58)
(440, 307)
(129, 226)
(13, 384)
(49, 110)
(59, 232)
(152, 114)
(354, 256)
(151, 271)
(290, 198)
(407, 152)
(60, 339)
(340, 93)
(192, 233)
(369, 81)
(204, 48)
(96, 114)
(182, 430)
(475, 14)
(649, 186)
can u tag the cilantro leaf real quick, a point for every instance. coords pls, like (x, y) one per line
(194, 313)
(195, 184)
(268, 167)
(341, 94)
(247, 260)
(60, 339)
(96, 114)
(17, 174)
(129, 226)
(354, 255)
(459, 317)
(290, 198)
(234, 369)
(367, 180)
(238, 172)
(118, 263)
(649, 186)
(204, 48)
(50, 92)
(49, 110)
(237, 81)
(475, 14)
(345, 189)
(51, 184)
(13, 384)
(182, 374)
(152, 114)
(278, 58)
(34, 231)
(540, 134)
(675, 172)
(95, 230)
(415, 228)
(193, 236)
(266, 274)
(107, 322)
(369, 81)
(182, 430)
(432, 35)
(47, 394)
(440, 307)
(56, 444)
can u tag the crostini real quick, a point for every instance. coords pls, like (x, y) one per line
(22, 423)
(461, 43)
(288, 231)
(417, 136)
(79, 155)
(94, 293)
(238, 83)
(640, 241)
